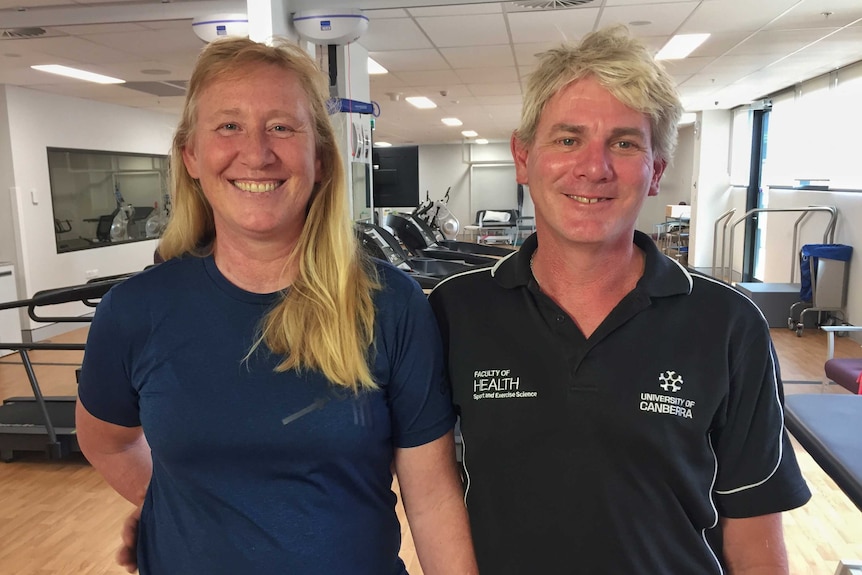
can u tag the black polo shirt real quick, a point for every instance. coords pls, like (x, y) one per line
(618, 453)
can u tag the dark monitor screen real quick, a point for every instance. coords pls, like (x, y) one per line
(396, 176)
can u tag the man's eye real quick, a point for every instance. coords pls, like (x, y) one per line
(228, 126)
(567, 141)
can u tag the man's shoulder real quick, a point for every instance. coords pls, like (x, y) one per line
(470, 283)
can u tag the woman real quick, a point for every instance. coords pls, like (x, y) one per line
(276, 375)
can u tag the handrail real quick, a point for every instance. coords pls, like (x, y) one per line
(828, 238)
(830, 228)
(726, 215)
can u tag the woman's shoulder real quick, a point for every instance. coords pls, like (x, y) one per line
(159, 278)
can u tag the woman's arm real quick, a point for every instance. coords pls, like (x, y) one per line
(434, 502)
(755, 545)
(120, 454)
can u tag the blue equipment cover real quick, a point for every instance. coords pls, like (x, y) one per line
(838, 252)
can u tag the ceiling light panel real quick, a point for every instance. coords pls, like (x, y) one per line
(77, 74)
(452, 121)
(421, 102)
(681, 46)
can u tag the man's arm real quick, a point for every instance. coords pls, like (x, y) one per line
(434, 502)
(755, 545)
(120, 454)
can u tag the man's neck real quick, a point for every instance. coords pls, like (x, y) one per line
(587, 281)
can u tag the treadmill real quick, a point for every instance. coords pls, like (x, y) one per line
(378, 242)
(422, 240)
(38, 422)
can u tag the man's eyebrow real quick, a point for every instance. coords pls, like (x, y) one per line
(638, 132)
(568, 128)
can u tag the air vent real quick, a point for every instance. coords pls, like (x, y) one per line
(161, 89)
(551, 4)
(18, 33)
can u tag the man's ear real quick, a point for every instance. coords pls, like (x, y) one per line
(658, 166)
(520, 152)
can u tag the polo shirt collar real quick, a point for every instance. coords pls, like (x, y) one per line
(662, 276)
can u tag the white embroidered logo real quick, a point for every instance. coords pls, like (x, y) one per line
(498, 384)
(670, 381)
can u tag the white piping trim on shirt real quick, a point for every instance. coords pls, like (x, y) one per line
(464, 465)
(685, 271)
(773, 362)
(714, 508)
(459, 274)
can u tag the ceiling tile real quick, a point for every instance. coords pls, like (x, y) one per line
(479, 57)
(488, 75)
(553, 25)
(394, 34)
(457, 10)
(472, 30)
(665, 18)
(410, 60)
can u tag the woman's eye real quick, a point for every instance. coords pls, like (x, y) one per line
(228, 126)
(283, 130)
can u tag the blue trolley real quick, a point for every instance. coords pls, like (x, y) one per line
(824, 270)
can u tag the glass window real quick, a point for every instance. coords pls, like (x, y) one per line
(105, 198)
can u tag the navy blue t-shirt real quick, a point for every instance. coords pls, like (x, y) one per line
(256, 471)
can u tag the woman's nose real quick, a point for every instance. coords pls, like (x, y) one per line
(257, 151)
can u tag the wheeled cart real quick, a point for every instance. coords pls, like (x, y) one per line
(824, 272)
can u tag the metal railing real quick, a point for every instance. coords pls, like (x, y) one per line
(727, 270)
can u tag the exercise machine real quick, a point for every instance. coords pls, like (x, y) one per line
(378, 242)
(39, 422)
(420, 239)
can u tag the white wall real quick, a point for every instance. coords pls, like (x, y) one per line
(36, 121)
(482, 177)
(675, 185)
(7, 233)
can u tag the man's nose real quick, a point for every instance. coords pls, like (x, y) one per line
(594, 162)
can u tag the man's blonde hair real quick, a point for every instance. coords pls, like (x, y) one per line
(325, 320)
(621, 64)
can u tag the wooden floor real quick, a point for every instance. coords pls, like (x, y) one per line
(59, 518)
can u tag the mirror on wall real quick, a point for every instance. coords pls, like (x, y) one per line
(105, 198)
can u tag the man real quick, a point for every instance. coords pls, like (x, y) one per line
(619, 413)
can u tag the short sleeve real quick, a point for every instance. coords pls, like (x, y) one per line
(758, 472)
(420, 401)
(105, 388)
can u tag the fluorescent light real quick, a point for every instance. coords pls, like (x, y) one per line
(78, 74)
(382, 144)
(469, 134)
(421, 102)
(452, 121)
(687, 118)
(481, 141)
(375, 68)
(681, 46)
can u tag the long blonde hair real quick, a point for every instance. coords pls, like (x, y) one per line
(325, 320)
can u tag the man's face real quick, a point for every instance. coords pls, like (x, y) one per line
(590, 166)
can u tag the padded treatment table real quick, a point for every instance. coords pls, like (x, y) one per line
(829, 427)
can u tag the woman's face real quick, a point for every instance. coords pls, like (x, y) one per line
(253, 151)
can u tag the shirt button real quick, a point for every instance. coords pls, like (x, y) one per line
(561, 319)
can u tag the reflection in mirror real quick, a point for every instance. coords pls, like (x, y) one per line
(105, 198)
